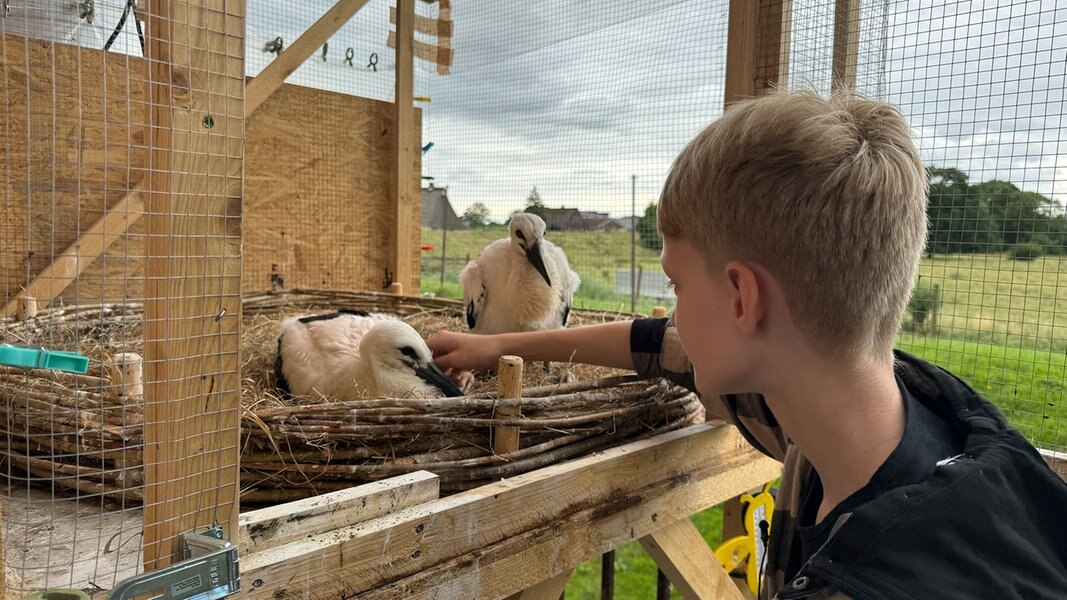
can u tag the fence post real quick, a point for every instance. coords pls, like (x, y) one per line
(444, 251)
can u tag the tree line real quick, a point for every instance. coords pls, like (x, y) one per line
(991, 216)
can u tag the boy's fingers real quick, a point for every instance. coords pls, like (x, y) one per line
(438, 344)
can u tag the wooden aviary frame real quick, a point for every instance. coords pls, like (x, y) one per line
(507, 539)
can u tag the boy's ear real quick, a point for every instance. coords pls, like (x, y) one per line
(750, 301)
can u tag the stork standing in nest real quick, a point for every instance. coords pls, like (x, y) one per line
(519, 283)
(350, 355)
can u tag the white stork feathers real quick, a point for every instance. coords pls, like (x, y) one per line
(519, 283)
(349, 355)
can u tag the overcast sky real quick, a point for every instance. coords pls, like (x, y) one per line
(577, 96)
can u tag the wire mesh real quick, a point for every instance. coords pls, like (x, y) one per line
(982, 86)
(106, 219)
(568, 109)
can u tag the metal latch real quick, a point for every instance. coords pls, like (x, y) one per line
(209, 571)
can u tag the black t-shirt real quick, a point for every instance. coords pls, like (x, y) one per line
(927, 439)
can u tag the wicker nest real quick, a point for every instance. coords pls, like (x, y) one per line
(78, 433)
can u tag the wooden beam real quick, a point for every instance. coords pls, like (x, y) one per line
(74, 260)
(505, 537)
(274, 75)
(193, 271)
(846, 44)
(405, 175)
(284, 523)
(549, 589)
(682, 554)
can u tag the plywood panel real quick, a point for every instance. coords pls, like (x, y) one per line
(72, 136)
(317, 191)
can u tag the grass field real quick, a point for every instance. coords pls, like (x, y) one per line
(989, 298)
(1003, 329)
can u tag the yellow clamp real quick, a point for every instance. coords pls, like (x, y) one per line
(742, 550)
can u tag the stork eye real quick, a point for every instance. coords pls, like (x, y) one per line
(520, 234)
(409, 352)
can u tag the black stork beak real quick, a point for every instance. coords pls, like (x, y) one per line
(433, 375)
(537, 259)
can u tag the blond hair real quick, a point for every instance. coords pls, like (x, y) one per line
(829, 195)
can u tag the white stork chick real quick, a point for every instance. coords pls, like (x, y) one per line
(519, 283)
(350, 355)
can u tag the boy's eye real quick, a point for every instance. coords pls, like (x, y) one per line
(670, 284)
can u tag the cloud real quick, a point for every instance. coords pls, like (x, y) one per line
(579, 118)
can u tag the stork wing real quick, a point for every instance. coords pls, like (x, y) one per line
(568, 280)
(280, 381)
(474, 292)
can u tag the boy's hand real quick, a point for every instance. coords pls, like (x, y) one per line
(465, 351)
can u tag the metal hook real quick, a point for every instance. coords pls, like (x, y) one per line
(373, 64)
(276, 45)
(349, 55)
(324, 47)
(86, 10)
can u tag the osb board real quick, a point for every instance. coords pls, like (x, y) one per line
(72, 141)
(318, 200)
(318, 172)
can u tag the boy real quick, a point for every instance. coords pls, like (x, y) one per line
(793, 228)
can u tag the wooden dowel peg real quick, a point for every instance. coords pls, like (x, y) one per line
(659, 312)
(396, 288)
(509, 385)
(26, 307)
(127, 374)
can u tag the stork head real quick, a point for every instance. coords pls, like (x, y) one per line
(401, 361)
(527, 232)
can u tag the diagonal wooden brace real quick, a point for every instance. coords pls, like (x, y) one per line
(682, 554)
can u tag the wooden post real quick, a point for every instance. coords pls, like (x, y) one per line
(192, 272)
(444, 251)
(740, 50)
(732, 523)
(757, 47)
(935, 309)
(25, 307)
(509, 385)
(406, 187)
(127, 375)
(846, 44)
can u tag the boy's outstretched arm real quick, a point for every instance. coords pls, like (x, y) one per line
(606, 345)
